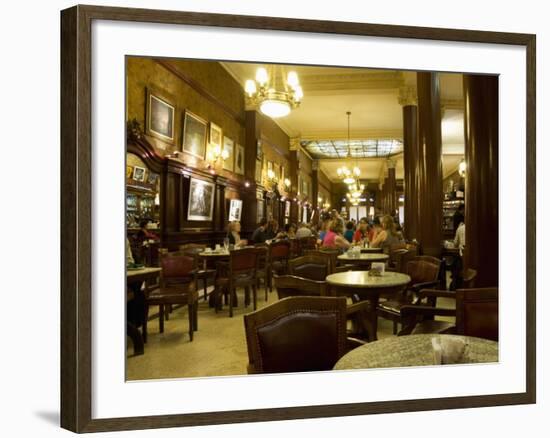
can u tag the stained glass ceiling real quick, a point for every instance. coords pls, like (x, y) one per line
(359, 148)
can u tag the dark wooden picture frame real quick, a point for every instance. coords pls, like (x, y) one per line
(76, 217)
(157, 96)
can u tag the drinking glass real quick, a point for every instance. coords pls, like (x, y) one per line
(226, 244)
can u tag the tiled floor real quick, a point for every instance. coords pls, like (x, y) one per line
(218, 348)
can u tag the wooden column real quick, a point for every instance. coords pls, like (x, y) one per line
(392, 184)
(408, 99)
(481, 197)
(250, 202)
(294, 169)
(428, 165)
(315, 184)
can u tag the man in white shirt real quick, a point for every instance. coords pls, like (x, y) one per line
(460, 237)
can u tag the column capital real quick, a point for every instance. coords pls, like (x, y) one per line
(295, 143)
(407, 96)
(315, 165)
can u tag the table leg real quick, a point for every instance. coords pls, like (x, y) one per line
(372, 320)
(136, 337)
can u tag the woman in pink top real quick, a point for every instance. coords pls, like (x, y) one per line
(334, 238)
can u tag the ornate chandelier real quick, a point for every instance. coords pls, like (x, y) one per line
(274, 102)
(348, 176)
(355, 191)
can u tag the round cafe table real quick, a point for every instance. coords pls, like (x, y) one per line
(413, 350)
(367, 288)
(371, 250)
(363, 259)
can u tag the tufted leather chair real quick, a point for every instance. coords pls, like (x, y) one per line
(296, 334)
(313, 267)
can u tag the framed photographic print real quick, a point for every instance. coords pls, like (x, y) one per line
(160, 117)
(258, 173)
(496, 73)
(139, 174)
(201, 200)
(194, 135)
(235, 210)
(239, 159)
(215, 135)
(229, 147)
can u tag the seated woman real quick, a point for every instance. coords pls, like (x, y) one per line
(289, 232)
(334, 238)
(234, 234)
(361, 232)
(388, 236)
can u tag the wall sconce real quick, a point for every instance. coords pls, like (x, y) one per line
(271, 177)
(217, 154)
(287, 183)
(462, 168)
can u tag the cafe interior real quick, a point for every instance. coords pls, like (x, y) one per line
(296, 218)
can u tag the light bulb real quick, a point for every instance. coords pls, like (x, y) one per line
(250, 87)
(261, 76)
(292, 79)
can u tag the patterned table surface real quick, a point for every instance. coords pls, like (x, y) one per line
(413, 350)
(362, 280)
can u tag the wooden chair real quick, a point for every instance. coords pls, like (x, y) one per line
(435, 260)
(306, 244)
(178, 286)
(424, 275)
(399, 259)
(419, 317)
(278, 256)
(204, 273)
(284, 336)
(313, 267)
(262, 271)
(294, 286)
(239, 272)
(332, 256)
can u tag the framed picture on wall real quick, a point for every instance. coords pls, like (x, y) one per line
(239, 159)
(235, 210)
(215, 135)
(139, 174)
(201, 200)
(194, 135)
(258, 171)
(229, 147)
(259, 150)
(160, 114)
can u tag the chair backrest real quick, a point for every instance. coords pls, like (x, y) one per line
(441, 262)
(243, 261)
(262, 250)
(400, 257)
(329, 254)
(279, 250)
(477, 312)
(177, 267)
(422, 271)
(294, 286)
(284, 336)
(313, 267)
(307, 243)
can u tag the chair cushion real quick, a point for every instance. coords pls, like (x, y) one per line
(171, 296)
(393, 306)
(291, 343)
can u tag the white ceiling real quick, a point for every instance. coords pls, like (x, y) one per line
(372, 98)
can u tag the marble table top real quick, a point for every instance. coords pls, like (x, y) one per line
(364, 258)
(413, 350)
(221, 253)
(142, 271)
(371, 250)
(362, 280)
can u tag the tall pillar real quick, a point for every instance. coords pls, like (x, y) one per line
(315, 185)
(409, 101)
(294, 168)
(392, 185)
(428, 165)
(249, 196)
(481, 197)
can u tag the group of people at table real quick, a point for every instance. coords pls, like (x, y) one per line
(332, 232)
